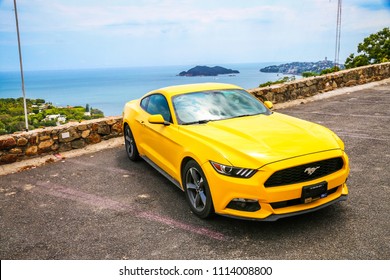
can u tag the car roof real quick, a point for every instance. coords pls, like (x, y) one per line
(180, 89)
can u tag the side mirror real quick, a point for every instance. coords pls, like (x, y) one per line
(157, 119)
(269, 105)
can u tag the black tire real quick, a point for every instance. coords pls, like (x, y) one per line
(197, 190)
(130, 145)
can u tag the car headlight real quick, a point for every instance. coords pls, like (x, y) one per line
(238, 172)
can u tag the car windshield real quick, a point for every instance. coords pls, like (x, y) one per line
(205, 106)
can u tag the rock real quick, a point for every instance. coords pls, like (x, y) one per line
(65, 147)
(33, 139)
(78, 144)
(16, 151)
(85, 133)
(7, 143)
(55, 147)
(44, 137)
(104, 129)
(116, 128)
(45, 146)
(31, 151)
(94, 126)
(111, 121)
(82, 127)
(93, 138)
(351, 83)
(21, 141)
(9, 158)
(309, 83)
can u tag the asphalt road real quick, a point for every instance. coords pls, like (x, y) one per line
(102, 206)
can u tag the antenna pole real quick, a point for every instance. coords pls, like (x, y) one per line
(21, 66)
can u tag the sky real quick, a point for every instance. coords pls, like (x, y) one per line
(78, 34)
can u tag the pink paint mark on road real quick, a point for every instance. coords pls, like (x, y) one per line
(95, 165)
(191, 228)
(107, 203)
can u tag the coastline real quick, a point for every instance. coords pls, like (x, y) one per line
(110, 88)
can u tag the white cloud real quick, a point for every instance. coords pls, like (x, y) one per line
(190, 30)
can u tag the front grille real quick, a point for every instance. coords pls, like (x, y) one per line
(305, 172)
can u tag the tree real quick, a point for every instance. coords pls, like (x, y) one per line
(285, 79)
(374, 49)
(39, 101)
(309, 74)
(330, 70)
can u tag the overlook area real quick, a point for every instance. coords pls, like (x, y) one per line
(90, 203)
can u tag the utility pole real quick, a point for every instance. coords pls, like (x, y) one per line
(21, 66)
(338, 34)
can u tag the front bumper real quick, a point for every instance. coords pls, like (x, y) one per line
(275, 202)
(274, 217)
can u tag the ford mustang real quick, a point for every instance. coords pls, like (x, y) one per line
(232, 155)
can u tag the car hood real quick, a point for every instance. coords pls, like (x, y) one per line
(258, 140)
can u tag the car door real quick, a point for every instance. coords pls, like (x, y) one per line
(159, 141)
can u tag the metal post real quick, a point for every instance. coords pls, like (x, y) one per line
(338, 34)
(21, 66)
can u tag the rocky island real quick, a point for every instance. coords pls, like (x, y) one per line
(297, 68)
(207, 71)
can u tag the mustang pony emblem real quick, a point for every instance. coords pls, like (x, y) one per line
(311, 170)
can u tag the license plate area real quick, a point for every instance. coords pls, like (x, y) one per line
(314, 192)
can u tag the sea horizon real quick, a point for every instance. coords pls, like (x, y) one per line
(108, 89)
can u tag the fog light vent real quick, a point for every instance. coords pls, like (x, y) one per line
(243, 204)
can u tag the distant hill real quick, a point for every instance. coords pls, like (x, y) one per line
(208, 71)
(297, 68)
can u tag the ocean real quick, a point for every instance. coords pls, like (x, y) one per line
(109, 89)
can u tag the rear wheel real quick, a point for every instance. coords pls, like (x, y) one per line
(197, 190)
(131, 147)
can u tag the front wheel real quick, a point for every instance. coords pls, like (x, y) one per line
(197, 190)
(131, 147)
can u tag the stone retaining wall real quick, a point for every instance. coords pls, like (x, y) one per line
(311, 86)
(53, 140)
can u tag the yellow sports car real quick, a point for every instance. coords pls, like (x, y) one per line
(232, 155)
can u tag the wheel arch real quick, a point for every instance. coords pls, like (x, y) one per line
(185, 160)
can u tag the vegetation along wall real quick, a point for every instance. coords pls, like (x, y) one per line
(52, 140)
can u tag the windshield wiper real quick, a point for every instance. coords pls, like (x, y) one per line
(247, 115)
(197, 122)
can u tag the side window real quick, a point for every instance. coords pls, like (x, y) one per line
(157, 104)
(144, 103)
